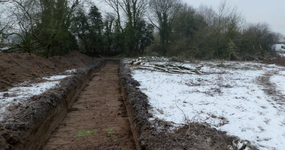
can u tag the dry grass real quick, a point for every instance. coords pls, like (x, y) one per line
(192, 136)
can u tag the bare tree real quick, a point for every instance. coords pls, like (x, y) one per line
(209, 14)
(133, 11)
(19, 14)
(38, 24)
(116, 6)
(164, 11)
(228, 18)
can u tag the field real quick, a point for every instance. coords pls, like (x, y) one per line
(76, 102)
(245, 99)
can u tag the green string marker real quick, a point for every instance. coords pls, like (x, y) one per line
(81, 133)
(109, 130)
(93, 132)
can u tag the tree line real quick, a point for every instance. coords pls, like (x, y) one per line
(131, 28)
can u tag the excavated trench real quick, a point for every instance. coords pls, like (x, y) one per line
(97, 119)
(87, 112)
(99, 108)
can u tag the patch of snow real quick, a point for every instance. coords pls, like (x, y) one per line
(229, 98)
(57, 77)
(71, 71)
(18, 95)
(4, 48)
(281, 54)
(282, 73)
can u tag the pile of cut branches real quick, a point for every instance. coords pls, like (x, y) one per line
(171, 68)
(143, 63)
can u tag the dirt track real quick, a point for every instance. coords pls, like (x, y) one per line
(98, 119)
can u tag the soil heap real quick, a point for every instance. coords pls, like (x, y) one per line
(17, 68)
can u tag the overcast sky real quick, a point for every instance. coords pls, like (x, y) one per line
(254, 11)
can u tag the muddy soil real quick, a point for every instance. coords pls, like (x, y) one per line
(17, 68)
(98, 118)
(270, 89)
(276, 60)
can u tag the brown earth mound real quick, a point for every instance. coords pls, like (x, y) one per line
(17, 68)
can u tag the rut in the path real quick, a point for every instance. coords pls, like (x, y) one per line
(270, 90)
(97, 119)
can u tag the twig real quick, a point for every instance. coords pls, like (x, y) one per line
(185, 117)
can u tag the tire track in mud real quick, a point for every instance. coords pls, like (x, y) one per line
(270, 89)
(97, 119)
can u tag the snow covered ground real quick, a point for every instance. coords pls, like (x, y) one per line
(245, 99)
(282, 54)
(17, 95)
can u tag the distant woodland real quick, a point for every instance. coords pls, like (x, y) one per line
(130, 28)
